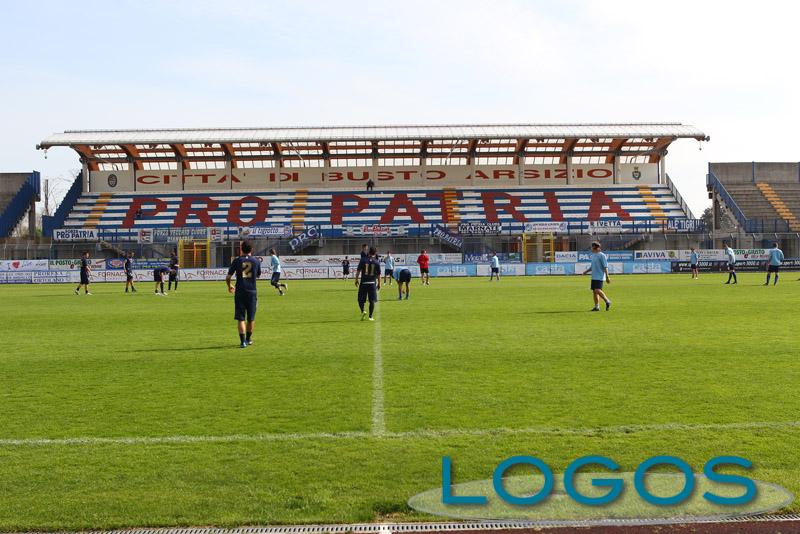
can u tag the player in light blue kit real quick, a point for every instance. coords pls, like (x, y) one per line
(599, 269)
(388, 272)
(731, 263)
(495, 267)
(693, 262)
(774, 260)
(275, 281)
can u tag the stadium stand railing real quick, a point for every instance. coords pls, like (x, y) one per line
(57, 220)
(19, 204)
(684, 206)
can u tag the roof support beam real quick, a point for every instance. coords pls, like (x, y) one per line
(519, 149)
(616, 146)
(133, 156)
(180, 154)
(277, 150)
(471, 147)
(659, 149)
(566, 151)
(86, 154)
(230, 153)
(423, 150)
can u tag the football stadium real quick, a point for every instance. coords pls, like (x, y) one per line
(156, 417)
(399, 268)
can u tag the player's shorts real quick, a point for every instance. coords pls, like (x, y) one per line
(596, 284)
(276, 277)
(388, 272)
(731, 266)
(244, 306)
(129, 277)
(173, 276)
(367, 292)
(84, 278)
(423, 270)
(694, 266)
(157, 276)
(345, 272)
(773, 268)
(495, 270)
(404, 276)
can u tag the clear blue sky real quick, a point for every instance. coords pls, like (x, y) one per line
(725, 67)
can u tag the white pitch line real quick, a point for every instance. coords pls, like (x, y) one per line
(378, 414)
(423, 433)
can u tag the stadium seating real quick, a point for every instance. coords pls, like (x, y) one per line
(18, 192)
(751, 201)
(762, 196)
(125, 213)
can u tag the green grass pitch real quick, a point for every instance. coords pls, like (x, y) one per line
(302, 426)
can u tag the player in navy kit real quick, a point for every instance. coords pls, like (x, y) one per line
(403, 277)
(368, 280)
(129, 273)
(173, 270)
(158, 277)
(345, 268)
(86, 270)
(247, 269)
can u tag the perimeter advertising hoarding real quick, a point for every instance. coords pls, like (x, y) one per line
(439, 269)
(73, 264)
(348, 178)
(742, 266)
(23, 265)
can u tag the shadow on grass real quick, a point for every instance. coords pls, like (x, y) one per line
(550, 312)
(183, 349)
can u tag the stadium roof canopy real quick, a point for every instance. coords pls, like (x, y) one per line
(360, 145)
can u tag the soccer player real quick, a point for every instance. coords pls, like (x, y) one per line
(368, 280)
(86, 270)
(422, 261)
(403, 277)
(129, 273)
(731, 263)
(495, 261)
(345, 268)
(693, 263)
(173, 269)
(599, 269)
(158, 277)
(774, 263)
(245, 302)
(275, 262)
(388, 272)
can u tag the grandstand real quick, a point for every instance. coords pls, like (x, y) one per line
(19, 192)
(567, 179)
(756, 197)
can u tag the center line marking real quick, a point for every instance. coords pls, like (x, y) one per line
(378, 415)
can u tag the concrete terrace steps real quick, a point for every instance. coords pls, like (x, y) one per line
(751, 201)
(777, 202)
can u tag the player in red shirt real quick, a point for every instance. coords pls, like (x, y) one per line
(422, 261)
